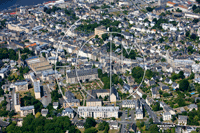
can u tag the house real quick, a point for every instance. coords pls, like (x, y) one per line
(139, 110)
(165, 88)
(80, 124)
(114, 125)
(55, 105)
(168, 81)
(182, 120)
(167, 116)
(70, 100)
(27, 110)
(44, 112)
(192, 106)
(149, 101)
(151, 83)
(155, 92)
(68, 112)
(175, 85)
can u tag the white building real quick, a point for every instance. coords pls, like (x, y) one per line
(167, 116)
(98, 112)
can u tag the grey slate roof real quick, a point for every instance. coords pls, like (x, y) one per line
(73, 73)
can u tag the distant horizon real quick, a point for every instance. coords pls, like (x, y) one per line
(5, 4)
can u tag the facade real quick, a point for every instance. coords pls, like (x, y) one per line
(139, 110)
(16, 102)
(98, 112)
(27, 110)
(44, 112)
(68, 112)
(167, 116)
(192, 106)
(182, 120)
(75, 76)
(128, 104)
(37, 89)
(93, 102)
(113, 95)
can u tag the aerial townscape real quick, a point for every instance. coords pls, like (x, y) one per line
(100, 66)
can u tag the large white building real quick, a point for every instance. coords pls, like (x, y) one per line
(98, 112)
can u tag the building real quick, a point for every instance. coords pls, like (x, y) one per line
(113, 94)
(16, 102)
(76, 76)
(27, 110)
(98, 112)
(93, 102)
(55, 105)
(20, 85)
(44, 112)
(139, 110)
(38, 64)
(5, 71)
(128, 104)
(114, 125)
(192, 106)
(170, 4)
(68, 112)
(182, 120)
(99, 30)
(70, 100)
(167, 116)
(37, 89)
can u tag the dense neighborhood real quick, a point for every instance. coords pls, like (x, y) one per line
(100, 66)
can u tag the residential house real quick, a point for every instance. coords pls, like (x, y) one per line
(182, 120)
(192, 106)
(44, 112)
(167, 116)
(68, 112)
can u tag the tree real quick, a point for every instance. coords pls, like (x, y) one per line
(184, 85)
(154, 128)
(181, 75)
(102, 125)
(90, 122)
(151, 121)
(144, 96)
(193, 37)
(198, 1)
(91, 130)
(137, 73)
(149, 9)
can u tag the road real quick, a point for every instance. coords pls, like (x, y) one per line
(150, 112)
(124, 124)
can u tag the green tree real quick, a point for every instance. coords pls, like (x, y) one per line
(137, 73)
(90, 122)
(144, 96)
(91, 130)
(184, 85)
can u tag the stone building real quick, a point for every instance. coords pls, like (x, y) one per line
(98, 112)
(75, 76)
